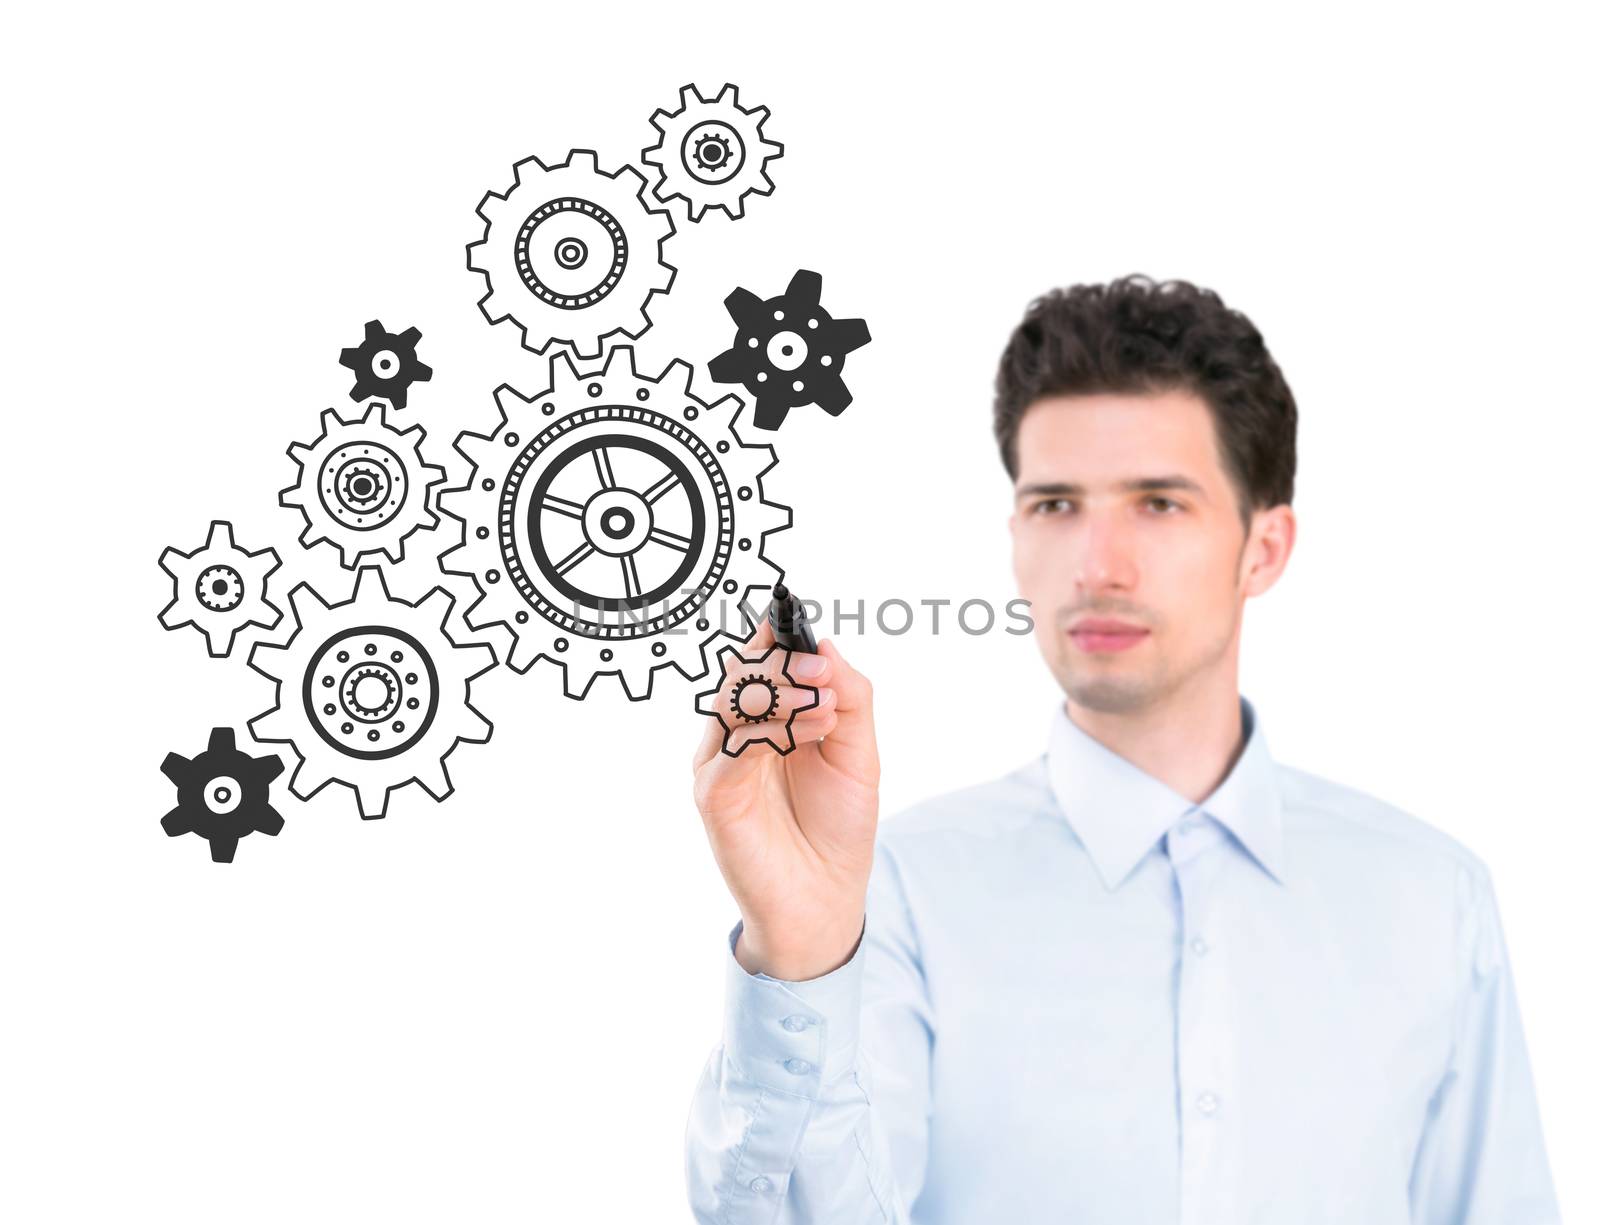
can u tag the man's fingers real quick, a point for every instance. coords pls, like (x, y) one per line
(852, 743)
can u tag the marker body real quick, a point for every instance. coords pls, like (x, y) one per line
(790, 629)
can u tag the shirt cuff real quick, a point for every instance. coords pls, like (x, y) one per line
(792, 1037)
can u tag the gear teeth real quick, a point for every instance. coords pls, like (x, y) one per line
(747, 310)
(435, 780)
(805, 289)
(306, 602)
(372, 800)
(675, 378)
(619, 363)
(638, 688)
(436, 606)
(564, 373)
(476, 729)
(174, 767)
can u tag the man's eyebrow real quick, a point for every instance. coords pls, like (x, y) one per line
(1136, 485)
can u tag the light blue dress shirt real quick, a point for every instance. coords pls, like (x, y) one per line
(1082, 999)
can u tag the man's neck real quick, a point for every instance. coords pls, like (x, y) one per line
(1190, 743)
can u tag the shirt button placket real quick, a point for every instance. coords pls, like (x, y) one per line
(1194, 865)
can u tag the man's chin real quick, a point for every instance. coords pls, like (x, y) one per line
(1119, 695)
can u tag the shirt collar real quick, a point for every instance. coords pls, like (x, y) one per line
(1119, 812)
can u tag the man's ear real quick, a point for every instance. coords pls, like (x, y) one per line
(1274, 532)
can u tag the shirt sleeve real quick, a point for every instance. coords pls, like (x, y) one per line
(1482, 1159)
(814, 1107)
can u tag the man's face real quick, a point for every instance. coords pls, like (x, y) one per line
(1124, 516)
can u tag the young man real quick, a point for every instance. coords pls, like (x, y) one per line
(1152, 975)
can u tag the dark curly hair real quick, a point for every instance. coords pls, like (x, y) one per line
(1136, 336)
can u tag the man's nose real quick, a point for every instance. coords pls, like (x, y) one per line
(1106, 560)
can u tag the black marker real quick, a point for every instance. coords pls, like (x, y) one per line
(790, 629)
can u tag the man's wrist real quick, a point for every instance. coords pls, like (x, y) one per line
(815, 959)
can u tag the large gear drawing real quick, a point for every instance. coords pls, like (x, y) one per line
(752, 698)
(385, 364)
(372, 692)
(220, 589)
(712, 154)
(571, 253)
(614, 523)
(789, 351)
(363, 486)
(222, 795)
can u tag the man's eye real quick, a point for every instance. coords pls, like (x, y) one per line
(1164, 503)
(1048, 506)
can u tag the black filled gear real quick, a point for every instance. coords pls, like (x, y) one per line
(789, 351)
(222, 795)
(385, 364)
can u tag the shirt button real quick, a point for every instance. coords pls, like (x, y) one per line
(1199, 945)
(1207, 1103)
(798, 1066)
(796, 1023)
(1188, 825)
(761, 1183)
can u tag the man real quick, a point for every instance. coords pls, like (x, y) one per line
(1151, 975)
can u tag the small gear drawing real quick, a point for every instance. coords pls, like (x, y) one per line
(753, 699)
(219, 589)
(712, 154)
(611, 523)
(363, 485)
(385, 364)
(571, 253)
(372, 692)
(789, 351)
(222, 795)
(754, 707)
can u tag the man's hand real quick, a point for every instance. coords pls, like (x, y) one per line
(793, 832)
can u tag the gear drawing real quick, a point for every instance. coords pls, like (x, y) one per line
(753, 699)
(363, 485)
(712, 154)
(612, 522)
(222, 795)
(571, 253)
(372, 692)
(385, 364)
(219, 589)
(789, 351)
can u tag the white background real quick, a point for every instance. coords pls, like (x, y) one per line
(496, 1008)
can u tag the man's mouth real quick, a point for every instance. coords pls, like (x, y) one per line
(1102, 635)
